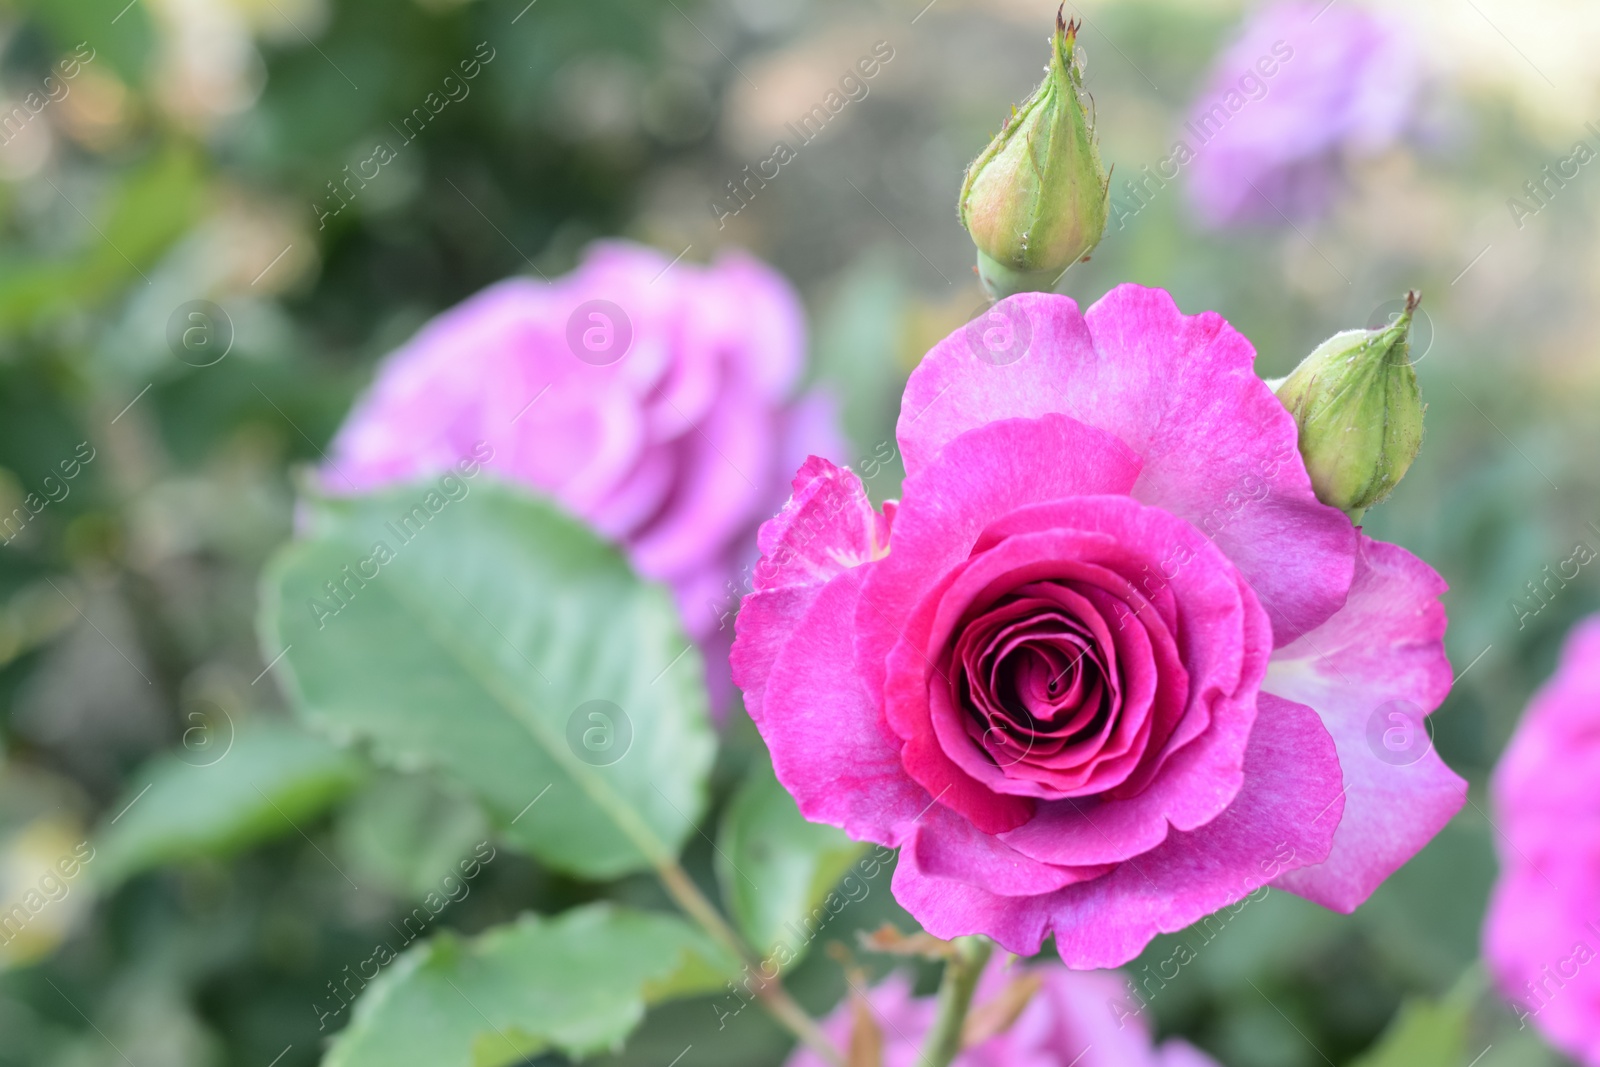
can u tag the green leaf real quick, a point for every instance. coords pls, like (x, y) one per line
(1424, 1034)
(1429, 1033)
(477, 649)
(137, 221)
(187, 805)
(31, 286)
(151, 209)
(402, 831)
(776, 868)
(119, 35)
(578, 983)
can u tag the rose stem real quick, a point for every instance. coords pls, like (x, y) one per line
(960, 979)
(771, 994)
(774, 998)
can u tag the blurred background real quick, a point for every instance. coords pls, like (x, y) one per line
(192, 292)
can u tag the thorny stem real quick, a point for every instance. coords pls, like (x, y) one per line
(771, 994)
(956, 987)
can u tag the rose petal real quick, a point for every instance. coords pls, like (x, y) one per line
(1542, 931)
(620, 272)
(1225, 651)
(717, 494)
(1386, 644)
(763, 627)
(758, 324)
(1177, 1053)
(640, 495)
(1197, 782)
(826, 527)
(1558, 730)
(909, 674)
(829, 747)
(1072, 1019)
(1217, 447)
(1283, 816)
(981, 477)
(948, 846)
(1537, 921)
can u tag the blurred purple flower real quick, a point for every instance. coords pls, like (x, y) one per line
(1306, 86)
(655, 400)
(1076, 1017)
(1542, 934)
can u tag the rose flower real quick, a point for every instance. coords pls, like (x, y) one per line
(655, 400)
(1108, 665)
(1542, 934)
(1307, 88)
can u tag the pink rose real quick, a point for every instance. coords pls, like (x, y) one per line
(1306, 87)
(652, 399)
(1542, 934)
(1108, 666)
(1072, 1019)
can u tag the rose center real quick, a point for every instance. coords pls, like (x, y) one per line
(1054, 684)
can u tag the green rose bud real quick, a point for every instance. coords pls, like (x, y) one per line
(1356, 402)
(1036, 200)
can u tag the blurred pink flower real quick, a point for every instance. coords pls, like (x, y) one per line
(1305, 86)
(1542, 934)
(1072, 1019)
(1108, 666)
(655, 400)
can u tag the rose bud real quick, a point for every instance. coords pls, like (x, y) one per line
(1356, 401)
(1036, 200)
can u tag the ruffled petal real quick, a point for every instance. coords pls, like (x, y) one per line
(1217, 447)
(722, 484)
(1380, 657)
(827, 527)
(983, 476)
(1283, 817)
(829, 746)
(1226, 640)
(948, 846)
(763, 626)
